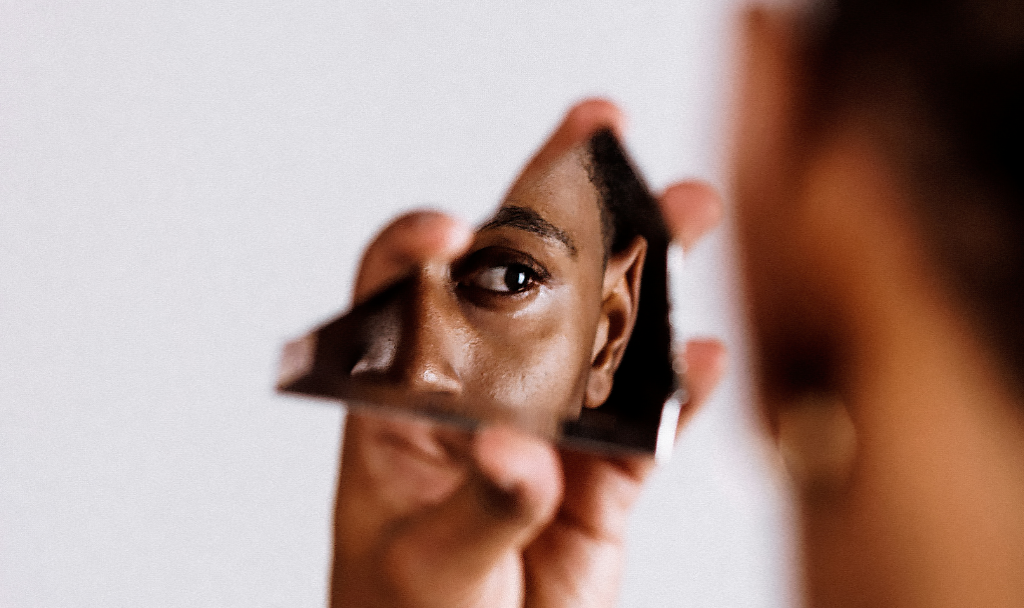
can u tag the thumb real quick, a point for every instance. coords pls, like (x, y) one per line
(466, 550)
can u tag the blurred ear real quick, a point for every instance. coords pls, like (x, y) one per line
(620, 301)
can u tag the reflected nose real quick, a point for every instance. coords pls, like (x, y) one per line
(433, 342)
(415, 349)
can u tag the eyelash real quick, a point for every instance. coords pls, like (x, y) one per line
(510, 279)
(499, 273)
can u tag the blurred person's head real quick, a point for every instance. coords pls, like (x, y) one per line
(878, 179)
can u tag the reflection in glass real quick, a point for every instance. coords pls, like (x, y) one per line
(555, 319)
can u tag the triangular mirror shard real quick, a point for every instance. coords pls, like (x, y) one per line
(556, 319)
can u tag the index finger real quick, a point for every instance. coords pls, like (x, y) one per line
(456, 548)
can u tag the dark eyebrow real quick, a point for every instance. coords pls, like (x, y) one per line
(529, 220)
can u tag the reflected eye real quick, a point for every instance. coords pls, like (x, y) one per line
(495, 277)
(510, 278)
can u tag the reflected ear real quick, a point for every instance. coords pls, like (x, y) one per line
(620, 302)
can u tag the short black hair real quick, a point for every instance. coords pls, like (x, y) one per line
(645, 377)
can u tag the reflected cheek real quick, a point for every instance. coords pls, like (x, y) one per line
(529, 364)
(539, 365)
(544, 372)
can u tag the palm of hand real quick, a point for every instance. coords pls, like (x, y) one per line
(412, 497)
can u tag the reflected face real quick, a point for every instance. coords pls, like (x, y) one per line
(514, 331)
(529, 324)
(522, 309)
(532, 322)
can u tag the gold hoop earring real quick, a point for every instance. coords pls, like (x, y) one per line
(818, 443)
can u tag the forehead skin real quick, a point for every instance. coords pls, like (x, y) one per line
(565, 197)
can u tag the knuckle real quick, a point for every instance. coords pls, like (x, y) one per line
(402, 564)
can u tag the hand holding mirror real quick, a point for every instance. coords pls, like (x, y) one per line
(532, 319)
(554, 320)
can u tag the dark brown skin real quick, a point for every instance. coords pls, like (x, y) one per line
(432, 516)
(528, 324)
(922, 504)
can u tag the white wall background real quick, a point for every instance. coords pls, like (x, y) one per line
(184, 185)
